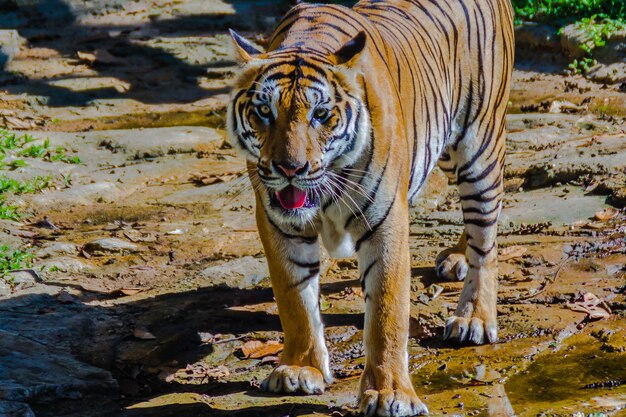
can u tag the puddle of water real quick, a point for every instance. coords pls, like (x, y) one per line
(560, 378)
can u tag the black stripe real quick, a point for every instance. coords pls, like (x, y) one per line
(305, 264)
(478, 210)
(369, 233)
(366, 272)
(305, 239)
(480, 251)
(372, 196)
(304, 279)
(480, 222)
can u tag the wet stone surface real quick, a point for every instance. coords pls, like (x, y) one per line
(148, 276)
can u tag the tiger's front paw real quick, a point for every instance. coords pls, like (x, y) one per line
(396, 403)
(387, 391)
(473, 330)
(291, 378)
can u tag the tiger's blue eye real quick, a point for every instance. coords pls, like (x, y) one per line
(264, 111)
(321, 114)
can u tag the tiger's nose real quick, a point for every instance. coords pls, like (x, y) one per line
(291, 169)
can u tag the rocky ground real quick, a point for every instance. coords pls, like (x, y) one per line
(148, 293)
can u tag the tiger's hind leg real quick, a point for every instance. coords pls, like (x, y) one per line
(479, 177)
(451, 264)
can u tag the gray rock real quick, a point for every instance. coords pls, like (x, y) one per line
(245, 272)
(5, 288)
(110, 245)
(22, 279)
(18, 280)
(534, 35)
(81, 194)
(35, 372)
(611, 59)
(66, 264)
(56, 249)
(614, 73)
(572, 37)
(615, 48)
(152, 143)
(10, 44)
(13, 409)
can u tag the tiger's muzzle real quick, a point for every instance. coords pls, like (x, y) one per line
(291, 185)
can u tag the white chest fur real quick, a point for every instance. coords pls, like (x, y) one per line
(337, 241)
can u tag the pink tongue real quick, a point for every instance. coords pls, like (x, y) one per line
(291, 197)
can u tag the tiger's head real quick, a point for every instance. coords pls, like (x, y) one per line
(299, 117)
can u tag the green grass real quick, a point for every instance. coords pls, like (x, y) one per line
(21, 149)
(59, 155)
(35, 151)
(563, 12)
(10, 140)
(12, 144)
(34, 185)
(8, 212)
(598, 29)
(16, 187)
(598, 19)
(11, 259)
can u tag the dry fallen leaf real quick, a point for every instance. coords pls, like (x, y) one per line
(17, 123)
(606, 214)
(101, 56)
(594, 225)
(512, 252)
(594, 307)
(434, 291)
(86, 56)
(143, 334)
(348, 294)
(209, 179)
(256, 349)
(130, 291)
(200, 372)
(580, 223)
(137, 236)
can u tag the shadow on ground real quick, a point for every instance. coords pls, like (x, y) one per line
(154, 75)
(102, 336)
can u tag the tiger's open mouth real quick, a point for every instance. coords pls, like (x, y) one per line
(293, 198)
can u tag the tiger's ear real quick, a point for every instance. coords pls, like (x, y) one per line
(347, 55)
(244, 47)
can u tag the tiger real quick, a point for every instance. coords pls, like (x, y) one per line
(341, 118)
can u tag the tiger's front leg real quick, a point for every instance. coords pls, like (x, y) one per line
(384, 264)
(294, 272)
